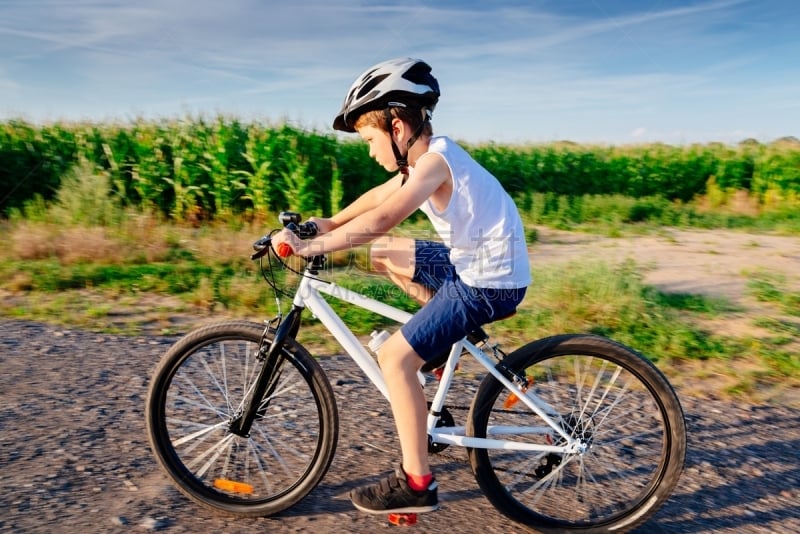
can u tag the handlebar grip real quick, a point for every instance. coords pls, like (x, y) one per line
(284, 250)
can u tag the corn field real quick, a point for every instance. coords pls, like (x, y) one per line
(197, 168)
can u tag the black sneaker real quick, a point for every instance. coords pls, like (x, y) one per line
(474, 337)
(392, 495)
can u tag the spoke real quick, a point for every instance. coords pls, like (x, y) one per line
(214, 450)
(206, 405)
(632, 410)
(527, 473)
(223, 391)
(200, 394)
(616, 402)
(226, 443)
(290, 448)
(605, 394)
(547, 480)
(275, 454)
(226, 462)
(278, 392)
(597, 378)
(547, 384)
(177, 422)
(199, 433)
(224, 368)
(579, 381)
(656, 433)
(584, 492)
(249, 374)
(613, 474)
(262, 471)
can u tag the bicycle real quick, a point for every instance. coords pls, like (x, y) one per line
(573, 432)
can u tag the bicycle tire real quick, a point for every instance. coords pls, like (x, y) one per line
(199, 387)
(617, 402)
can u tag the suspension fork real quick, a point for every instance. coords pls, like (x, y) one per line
(268, 376)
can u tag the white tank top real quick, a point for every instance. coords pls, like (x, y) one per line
(480, 225)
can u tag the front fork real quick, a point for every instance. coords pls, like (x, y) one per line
(270, 372)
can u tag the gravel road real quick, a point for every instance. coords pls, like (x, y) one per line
(74, 456)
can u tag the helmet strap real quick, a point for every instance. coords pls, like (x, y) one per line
(402, 159)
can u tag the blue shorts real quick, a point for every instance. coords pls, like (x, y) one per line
(455, 309)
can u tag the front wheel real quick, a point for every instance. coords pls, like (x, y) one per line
(199, 388)
(615, 403)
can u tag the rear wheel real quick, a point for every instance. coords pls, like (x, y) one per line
(618, 406)
(200, 387)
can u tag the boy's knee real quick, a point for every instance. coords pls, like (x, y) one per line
(379, 253)
(396, 355)
(377, 261)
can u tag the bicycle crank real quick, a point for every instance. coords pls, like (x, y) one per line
(445, 419)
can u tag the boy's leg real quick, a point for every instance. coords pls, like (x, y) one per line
(399, 364)
(395, 257)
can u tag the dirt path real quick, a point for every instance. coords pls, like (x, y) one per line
(74, 457)
(714, 263)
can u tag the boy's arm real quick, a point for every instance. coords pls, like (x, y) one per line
(429, 174)
(367, 201)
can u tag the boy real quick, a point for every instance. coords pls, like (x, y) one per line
(478, 275)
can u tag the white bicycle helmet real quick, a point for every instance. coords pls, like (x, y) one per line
(396, 82)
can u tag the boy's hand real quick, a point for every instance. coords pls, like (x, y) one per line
(324, 225)
(286, 238)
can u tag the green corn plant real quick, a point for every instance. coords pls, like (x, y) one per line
(336, 190)
(296, 178)
(220, 148)
(254, 181)
(778, 170)
(152, 169)
(194, 167)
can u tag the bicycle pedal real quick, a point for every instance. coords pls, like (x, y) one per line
(439, 371)
(403, 520)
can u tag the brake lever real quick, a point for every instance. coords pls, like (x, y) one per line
(261, 247)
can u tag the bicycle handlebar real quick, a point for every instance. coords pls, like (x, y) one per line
(290, 221)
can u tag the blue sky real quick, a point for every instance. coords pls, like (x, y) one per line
(597, 71)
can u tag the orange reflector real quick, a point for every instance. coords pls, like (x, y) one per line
(233, 486)
(403, 520)
(513, 399)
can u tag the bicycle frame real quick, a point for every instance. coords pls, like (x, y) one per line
(308, 295)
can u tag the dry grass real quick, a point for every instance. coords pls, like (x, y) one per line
(219, 242)
(31, 241)
(70, 245)
(733, 202)
(138, 239)
(146, 237)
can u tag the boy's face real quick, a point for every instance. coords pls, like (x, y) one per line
(380, 146)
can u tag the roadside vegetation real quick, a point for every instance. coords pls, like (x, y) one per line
(118, 244)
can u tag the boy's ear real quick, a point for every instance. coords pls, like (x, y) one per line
(398, 128)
